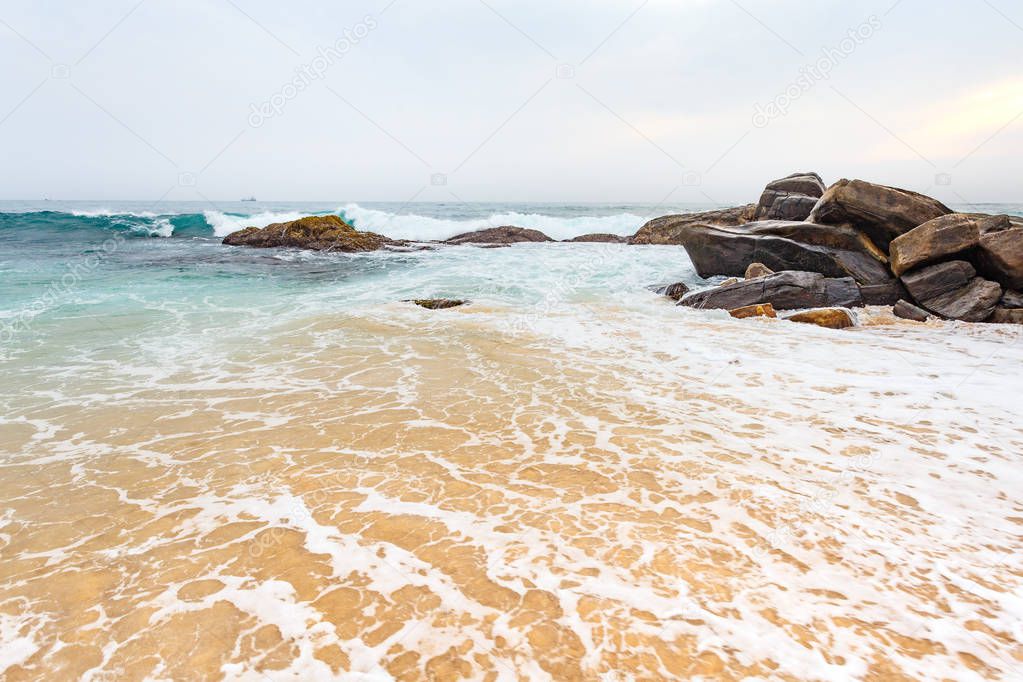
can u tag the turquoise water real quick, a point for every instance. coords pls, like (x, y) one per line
(78, 272)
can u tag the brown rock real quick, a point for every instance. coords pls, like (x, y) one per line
(600, 238)
(667, 229)
(500, 235)
(757, 270)
(317, 233)
(1007, 316)
(908, 311)
(1000, 256)
(935, 280)
(730, 281)
(437, 303)
(832, 318)
(784, 290)
(882, 213)
(936, 240)
(973, 303)
(760, 310)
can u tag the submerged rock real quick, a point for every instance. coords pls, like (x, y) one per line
(500, 235)
(600, 238)
(673, 291)
(760, 310)
(882, 213)
(667, 229)
(832, 318)
(317, 233)
(784, 290)
(437, 303)
(908, 311)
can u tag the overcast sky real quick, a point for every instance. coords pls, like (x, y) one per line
(501, 100)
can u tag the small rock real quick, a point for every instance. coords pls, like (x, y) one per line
(760, 310)
(1007, 316)
(673, 291)
(729, 282)
(316, 233)
(832, 318)
(437, 303)
(908, 311)
(756, 270)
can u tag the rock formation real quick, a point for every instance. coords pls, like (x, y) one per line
(316, 233)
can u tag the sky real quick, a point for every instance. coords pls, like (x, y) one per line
(649, 101)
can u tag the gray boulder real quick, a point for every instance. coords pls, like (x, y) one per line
(790, 198)
(787, 290)
(973, 303)
(1011, 299)
(935, 280)
(784, 245)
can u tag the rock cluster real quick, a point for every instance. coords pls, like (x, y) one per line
(317, 233)
(859, 244)
(600, 238)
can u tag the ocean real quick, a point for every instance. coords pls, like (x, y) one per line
(225, 463)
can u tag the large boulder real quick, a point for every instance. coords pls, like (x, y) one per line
(882, 213)
(973, 303)
(667, 229)
(1000, 256)
(500, 235)
(936, 240)
(600, 238)
(784, 290)
(317, 233)
(934, 280)
(885, 293)
(790, 198)
(833, 251)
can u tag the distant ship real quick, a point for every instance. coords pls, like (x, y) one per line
(250, 199)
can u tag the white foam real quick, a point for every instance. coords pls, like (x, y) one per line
(418, 227)
(224, 224)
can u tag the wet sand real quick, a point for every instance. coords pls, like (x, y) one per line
(615, 495)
